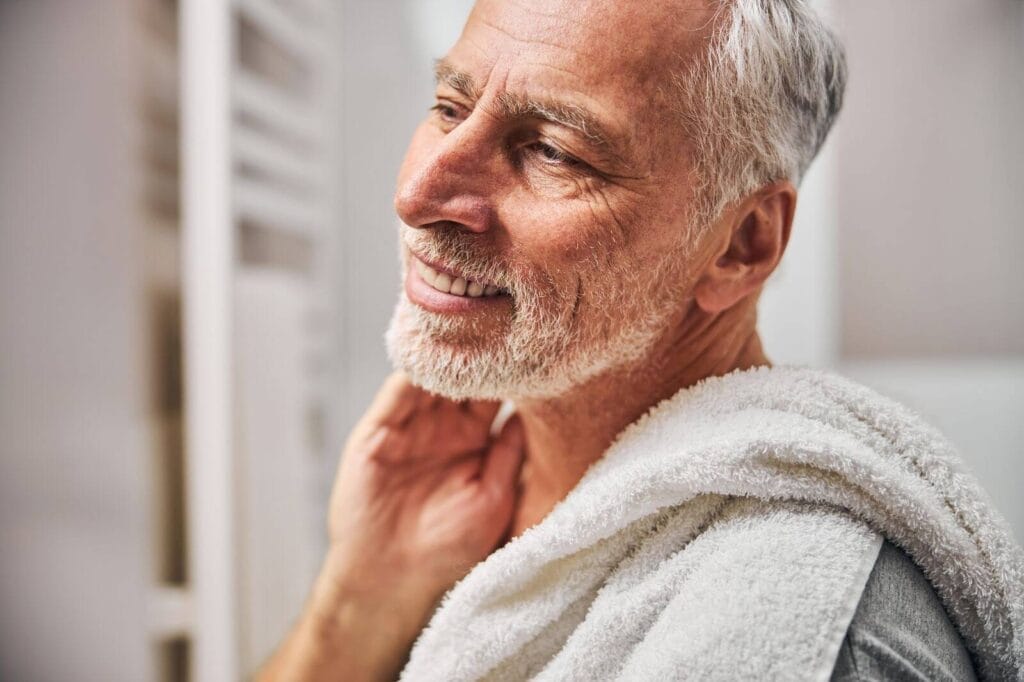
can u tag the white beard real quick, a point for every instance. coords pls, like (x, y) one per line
(541, 353)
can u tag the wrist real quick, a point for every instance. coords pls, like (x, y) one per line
(376, 618)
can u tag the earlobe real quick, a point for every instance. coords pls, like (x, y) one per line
(721, 286)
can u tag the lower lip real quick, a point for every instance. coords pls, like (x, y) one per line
(429, 298)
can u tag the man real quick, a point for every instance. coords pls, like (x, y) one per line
(589, 214)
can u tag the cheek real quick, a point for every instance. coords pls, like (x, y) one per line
(557, 236)
(613, 224)
(642, 231)
(587, 217)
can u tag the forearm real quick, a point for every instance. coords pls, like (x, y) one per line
(349, 632)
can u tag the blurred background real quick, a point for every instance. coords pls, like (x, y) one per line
(198, 261)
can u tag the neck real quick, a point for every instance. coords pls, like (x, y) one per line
(566, 434)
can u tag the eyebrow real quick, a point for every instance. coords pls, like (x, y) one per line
(571, 116)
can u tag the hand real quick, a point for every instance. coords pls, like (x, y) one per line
(423, 493)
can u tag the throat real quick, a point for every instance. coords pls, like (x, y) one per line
(532, 506)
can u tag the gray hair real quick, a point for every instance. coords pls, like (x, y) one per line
(758, 104)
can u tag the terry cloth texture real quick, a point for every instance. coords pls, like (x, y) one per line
(728, 534)
(900, 630)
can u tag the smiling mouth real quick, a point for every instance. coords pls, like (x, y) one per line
(453, 284)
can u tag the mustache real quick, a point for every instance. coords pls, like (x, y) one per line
(465, 253)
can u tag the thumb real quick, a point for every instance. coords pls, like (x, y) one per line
(504, 458)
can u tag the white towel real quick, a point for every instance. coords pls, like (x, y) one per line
(728, 534)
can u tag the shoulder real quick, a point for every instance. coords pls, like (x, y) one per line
(900, 630)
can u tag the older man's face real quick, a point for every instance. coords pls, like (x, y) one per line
(545, 199)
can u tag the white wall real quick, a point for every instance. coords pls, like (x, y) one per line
(931, 187)
(72, 394)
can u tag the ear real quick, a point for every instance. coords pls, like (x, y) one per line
(754, 234)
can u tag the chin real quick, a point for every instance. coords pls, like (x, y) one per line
(448, 361)
(433, 359)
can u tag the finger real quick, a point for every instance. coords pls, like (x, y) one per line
(484, 410)
(448, 431)
(396, 400)
(504, 459)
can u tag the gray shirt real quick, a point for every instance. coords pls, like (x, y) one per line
(900, 630)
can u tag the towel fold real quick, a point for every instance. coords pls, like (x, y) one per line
(728, 534)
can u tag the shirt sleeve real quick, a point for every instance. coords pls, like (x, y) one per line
(900, 630)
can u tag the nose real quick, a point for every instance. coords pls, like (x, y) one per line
(447, 180)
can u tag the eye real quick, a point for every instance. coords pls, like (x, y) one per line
(554, 156)
(448, 113)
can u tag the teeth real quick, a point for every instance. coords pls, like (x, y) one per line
(426, 272)
(443, 282)
(458, 286)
